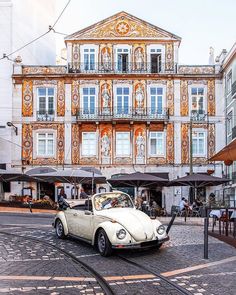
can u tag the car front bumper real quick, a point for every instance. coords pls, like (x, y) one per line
(142, 245)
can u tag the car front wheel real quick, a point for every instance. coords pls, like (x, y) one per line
(103, 243)
(60, 229)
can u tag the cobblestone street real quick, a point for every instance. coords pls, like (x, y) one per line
(34, 261)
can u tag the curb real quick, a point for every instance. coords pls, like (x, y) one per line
(26, 210)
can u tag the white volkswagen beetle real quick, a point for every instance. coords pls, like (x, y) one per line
(110, 221)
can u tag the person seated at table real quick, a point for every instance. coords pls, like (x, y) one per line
(184, 205)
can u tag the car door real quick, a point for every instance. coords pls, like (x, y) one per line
(80, 221)
(71, 220)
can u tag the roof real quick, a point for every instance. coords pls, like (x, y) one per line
(122, 25)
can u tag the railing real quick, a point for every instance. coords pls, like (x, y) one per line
(117, 68)
(198, 115)
(45, 116)
(142, 114)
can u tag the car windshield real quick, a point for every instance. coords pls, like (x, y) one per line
(112, 200)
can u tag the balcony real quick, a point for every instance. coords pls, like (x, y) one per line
(123, 114)
(199, 115)
(127, 68)
(45, 116)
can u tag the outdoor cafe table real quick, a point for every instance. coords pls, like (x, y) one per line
(217, 213)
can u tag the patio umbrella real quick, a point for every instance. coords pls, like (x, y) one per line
(12, 175)
(197, 180)
(138, 179)
(39, 170)
(73, 176)
(227, 154)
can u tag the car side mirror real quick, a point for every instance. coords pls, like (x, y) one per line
(87, 212)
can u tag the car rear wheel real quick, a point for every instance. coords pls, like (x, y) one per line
(103, 243)
(60, 229)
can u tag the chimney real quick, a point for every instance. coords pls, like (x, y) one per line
(211, 56)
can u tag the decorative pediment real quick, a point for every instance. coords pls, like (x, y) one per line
(122, 25)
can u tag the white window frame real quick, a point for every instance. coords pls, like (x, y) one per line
(89, 46)
(204, 154)
(162, 53)
(82, 145)
(229, 131)
(46, 155)
(204, 97)
(122, 46)
(115, 98)
(82, 97)
(128, 154)
(229, 82)
(163, 133)
(149, 96)
(46, 96)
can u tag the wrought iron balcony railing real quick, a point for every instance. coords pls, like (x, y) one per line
(45, 116)
(117, 68)
(198, 115)
(117, 113)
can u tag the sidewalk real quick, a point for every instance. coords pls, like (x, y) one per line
(26, 210)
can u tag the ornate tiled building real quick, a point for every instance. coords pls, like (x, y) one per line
(122, 103)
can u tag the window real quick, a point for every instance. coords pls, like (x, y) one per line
(45, 101)
(229, 125)
(156, 143)
(155, 58)
(123, 144)
(198, 144)
(89, 59)
(229, 83)
(122, 100)
(122, 59)
(45, 144)
(197, 98)
(89, 144)
(88, 100)
(156, 100)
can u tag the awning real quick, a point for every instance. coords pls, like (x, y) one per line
(228, 153)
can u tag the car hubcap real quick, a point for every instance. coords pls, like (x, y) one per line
(101, 242)
(59, 229)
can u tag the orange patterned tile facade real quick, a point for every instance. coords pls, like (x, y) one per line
(27, 98)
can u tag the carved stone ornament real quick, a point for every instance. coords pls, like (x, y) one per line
(27, 98)
(211, 140)
(184, 104)
(185, 143)
(169, 57)
(121, 25)
(170, 96)
(75, 143)
(196, 70)
(27, 143)
(211, 97)
(33, 70)
(74, 97)
(60, 98)
(170, 150)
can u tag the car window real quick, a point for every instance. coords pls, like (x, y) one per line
(112, 200)
(79, 207)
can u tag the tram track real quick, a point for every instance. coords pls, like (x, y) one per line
(158, 275)
(101, 281)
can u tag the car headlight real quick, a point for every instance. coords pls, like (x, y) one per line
(161, 230)
(121, 234)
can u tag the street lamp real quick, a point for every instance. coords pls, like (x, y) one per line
(10, 124)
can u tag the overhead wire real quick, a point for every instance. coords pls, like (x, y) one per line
(51, 28)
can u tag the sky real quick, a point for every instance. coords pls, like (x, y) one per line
(200, 23)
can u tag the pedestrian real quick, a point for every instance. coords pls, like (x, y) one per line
(63, 205)
(139, 202)
(83, 194)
